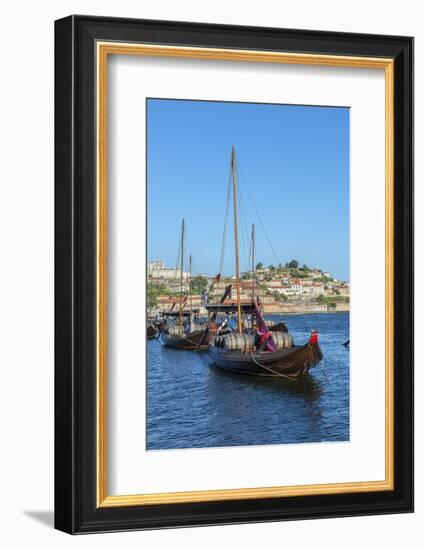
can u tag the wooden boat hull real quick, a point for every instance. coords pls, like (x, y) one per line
(293, 362)
(150, 332)
(197, 340)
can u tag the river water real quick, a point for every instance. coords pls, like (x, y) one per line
(193, 404)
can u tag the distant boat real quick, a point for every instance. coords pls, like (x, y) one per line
(182, 328)
(264, 352)
(280, 326)
(151, 331)
(182, 333)
(153, 326)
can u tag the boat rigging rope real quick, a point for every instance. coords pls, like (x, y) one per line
(192, 341)
(291, 378)
(202, 339)
(177, 263)
(252, 252)
(244, 231)
(221, 262)
(188, 340)
(190, 249)
(243, 179)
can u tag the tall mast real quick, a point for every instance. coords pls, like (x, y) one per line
(253, 261)
(252, 317)
(181, 269)
(190, 289)
(233, 169)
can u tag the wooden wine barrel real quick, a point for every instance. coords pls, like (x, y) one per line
(282, 340)
(241, 342)
(197, 327)
(247, 324)
(175, 330)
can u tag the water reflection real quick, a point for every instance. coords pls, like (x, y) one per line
(193, 404)
(307, 385)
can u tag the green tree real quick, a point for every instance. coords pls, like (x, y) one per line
(298, 274)
(294, 264)
(259, 265)
(279, 297)
(271, 267)
(198, 284)
(321, 299)
(154, 290)
(305, 267)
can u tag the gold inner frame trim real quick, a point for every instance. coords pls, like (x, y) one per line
(103, 50)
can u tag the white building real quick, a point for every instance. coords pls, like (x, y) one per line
(289, 290)
(155, 265)
(168, 274)
(273, 284)
(156, 269)
(317, 288)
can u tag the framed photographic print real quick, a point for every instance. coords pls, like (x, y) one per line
(234, 274)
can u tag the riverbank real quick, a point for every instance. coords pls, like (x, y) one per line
(304, 309)
(304, 312)
(287, 309)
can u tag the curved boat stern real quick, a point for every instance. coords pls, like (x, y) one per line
(313, 340)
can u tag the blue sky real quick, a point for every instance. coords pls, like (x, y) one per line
(293, 159)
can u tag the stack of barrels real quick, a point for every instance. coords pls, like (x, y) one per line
(175, 330)
(197, 327)
(246, 342)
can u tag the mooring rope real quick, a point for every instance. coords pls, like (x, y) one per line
(199, 345)
(291, 378)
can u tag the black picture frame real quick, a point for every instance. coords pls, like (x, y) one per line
(76, 510)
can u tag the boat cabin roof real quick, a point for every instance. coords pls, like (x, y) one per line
(177, 313)
(229, 307)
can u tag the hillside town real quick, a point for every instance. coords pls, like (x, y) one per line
(291, 288)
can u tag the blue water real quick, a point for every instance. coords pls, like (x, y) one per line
(193, 404)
